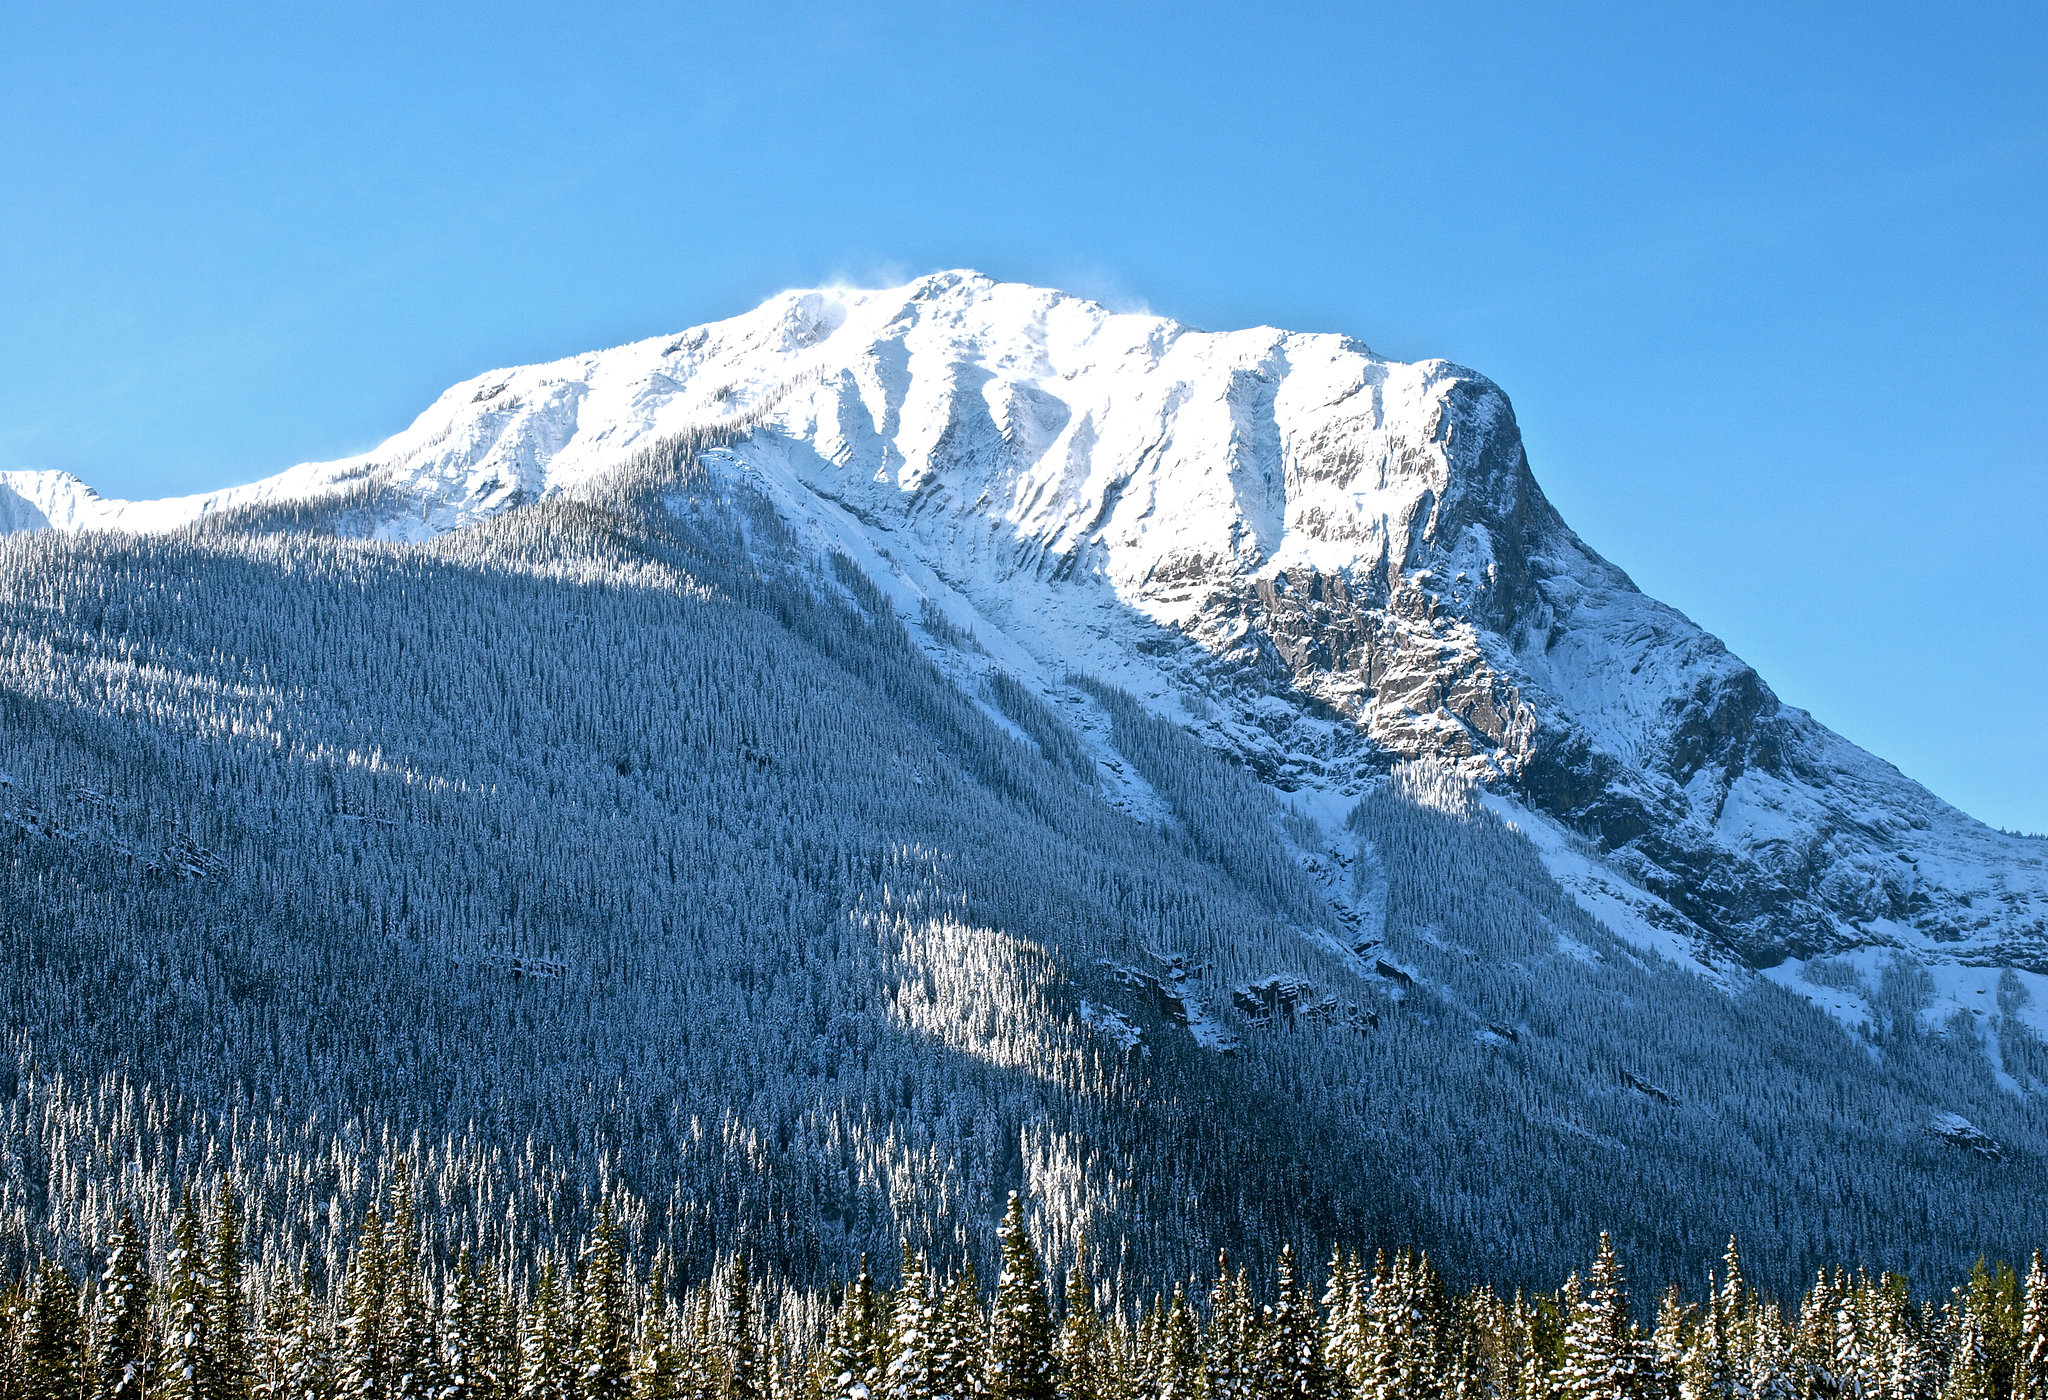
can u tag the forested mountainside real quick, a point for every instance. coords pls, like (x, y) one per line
(612, 847)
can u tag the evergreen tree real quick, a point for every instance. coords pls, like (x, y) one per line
(52, 1338)
(1344, 1325)
(1292, 1361)
(1081, 1339)
(1602, 1360)
(605, 1339)
(361, 1365)
(547, 1365)
(1177, 1365)
(189, 1370)
(659, 1370)
(308, 1361)
(271, 1346)
(853, 1345)
(124, 1341)
(706, 1368)
(741, 1372)
(1230, 1358)
(1020, 1351)
(1672, 1342)
(228, 1307)
(1814, 1345)
(465, 1347)
(959, 1346)
(912, 1332)
(1895, 1357)
(2030, 1377)
(410, 1360)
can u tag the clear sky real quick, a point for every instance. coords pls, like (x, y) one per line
(1768, 285)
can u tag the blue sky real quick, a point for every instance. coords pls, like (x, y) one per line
(1768, 285)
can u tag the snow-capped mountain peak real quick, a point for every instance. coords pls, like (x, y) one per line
(1321, 560)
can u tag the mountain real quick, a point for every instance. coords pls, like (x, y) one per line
(1320, 561)
(896, 745)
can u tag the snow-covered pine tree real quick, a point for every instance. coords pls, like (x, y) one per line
(188, 1370)
(1177, 1365)
(1672, 1341)
(360, 1361)
(271, 1344)
(604, 1369)
(1895, 1358)
(227, 1303)
(1700, 1371)
(960, 1344)
(458, 1332)
(1602, 1356)
(705, 1358)
(1145, 1350)
(52, 1359)
(1080, 1341)
(912, 1331)
(659, 1360)
(1814, 1342)
(1344, 1324)
(1231, 1350)
(1291, 1362)
(2030, 1374)
(124, 1339)
(741, 1369)
(1020, 1345)
(547, 1364)
(307, 1359)
(410, 1359)
(851, 1368)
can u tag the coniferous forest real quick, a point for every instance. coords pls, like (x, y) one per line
(558, 953)
(398, 1316)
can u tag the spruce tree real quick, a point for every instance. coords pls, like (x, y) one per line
(463, 1345)
(228, 1317)
(2030, 1375)
(188, 1370)
(409, 1359)
(52, 1338)
(962, 1331)
(1344, 1325)
(1080, 1341)
(546, 1364)
(1177, 1367)
(124, 1341)
(1020, 1350)
(1671, 1344)
(912, 1331)
(1292, 1360)
(853, 1350)
(741, 1371)
(308, 1361)
(360, 1365)
(658, 1369)
(1602, 1360)
(605, 1339)
(1230, 1357)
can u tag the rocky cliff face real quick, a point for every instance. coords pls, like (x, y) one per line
(1321, 560)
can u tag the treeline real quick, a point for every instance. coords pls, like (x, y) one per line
(403, 1320)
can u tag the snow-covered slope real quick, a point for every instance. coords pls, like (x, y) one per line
(1318, 559)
